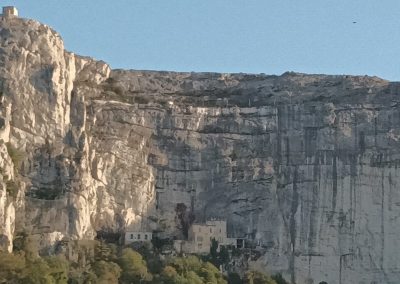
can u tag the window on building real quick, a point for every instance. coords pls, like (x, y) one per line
(145, 236)
(210, 230)
(199, 229)
(220, 230)
(199, 246)
(199, 239)
(138, 236)
(131, 236)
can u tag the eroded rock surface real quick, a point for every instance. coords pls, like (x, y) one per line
(306, 166)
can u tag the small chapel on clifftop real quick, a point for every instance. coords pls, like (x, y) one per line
(10, 11)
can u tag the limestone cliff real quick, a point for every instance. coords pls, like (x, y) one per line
(306, 166)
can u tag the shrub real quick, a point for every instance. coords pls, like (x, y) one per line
(47, 193)
(279, 279)
(134, 268)
(12, 188)
(11, 267)
(141, 100)
(107, 272)
(16, 155)
(159, 243)
(59, 268)
(255, 277)
(234, 278)
(117, 89)
(192, 270)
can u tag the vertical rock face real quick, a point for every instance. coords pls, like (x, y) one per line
(306, 166)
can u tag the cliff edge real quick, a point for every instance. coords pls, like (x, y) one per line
(304, 166)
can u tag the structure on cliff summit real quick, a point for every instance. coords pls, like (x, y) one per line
(10, 11)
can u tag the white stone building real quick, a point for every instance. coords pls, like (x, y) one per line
(200, 237)
(131, 237)
(10, 11)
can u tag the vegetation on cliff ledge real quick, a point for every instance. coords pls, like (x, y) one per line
(91, 262)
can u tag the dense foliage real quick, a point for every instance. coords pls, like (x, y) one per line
(93, 262)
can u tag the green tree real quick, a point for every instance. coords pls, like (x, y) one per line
(26, 244)
(216, 257)
(37, 272)
(279, 279)
(82, 277)
(106, 252)
(255, 277)
(14, 268)
(214, 253)
(169, 275)
(211, 274)
(192, 270)
(106, 272)
(186, 264)
(223, 256)
(11, 267)
(234, 278)
(59, 268)
(192, 278)
(134, 268)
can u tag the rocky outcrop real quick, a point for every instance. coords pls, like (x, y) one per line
(306, 166)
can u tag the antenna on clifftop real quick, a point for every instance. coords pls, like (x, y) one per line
(10, 11)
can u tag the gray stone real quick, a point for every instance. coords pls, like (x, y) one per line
(305, 165)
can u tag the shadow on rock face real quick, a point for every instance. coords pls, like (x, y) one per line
(52, 173)
(4, 242)
(42, 79)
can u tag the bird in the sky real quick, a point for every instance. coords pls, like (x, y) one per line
(354, 22)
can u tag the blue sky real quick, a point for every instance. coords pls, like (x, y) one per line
(265, 36)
